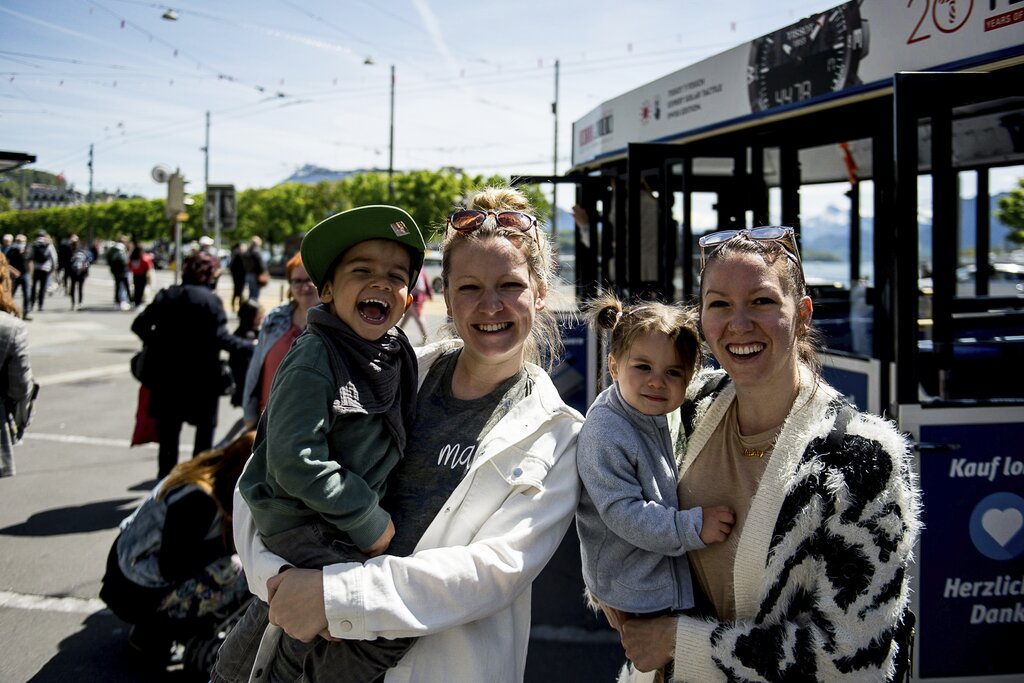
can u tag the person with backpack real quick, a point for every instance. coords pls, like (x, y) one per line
(44, 262)
(172, 571)
(813, 583)
(117, 261)
(78, 269)
(20, 266)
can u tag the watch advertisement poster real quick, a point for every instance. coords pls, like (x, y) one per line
(853, 47)
(970, 566)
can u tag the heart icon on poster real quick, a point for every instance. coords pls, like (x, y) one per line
(1002, 525)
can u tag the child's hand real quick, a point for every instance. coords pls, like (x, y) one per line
(718, 521)
(382, 543)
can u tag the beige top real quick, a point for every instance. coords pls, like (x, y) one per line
(727, 472)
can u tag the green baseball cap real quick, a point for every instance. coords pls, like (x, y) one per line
(330, 238)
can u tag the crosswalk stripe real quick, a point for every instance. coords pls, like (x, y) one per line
(85, 373)
(86, 440)
(45, 603)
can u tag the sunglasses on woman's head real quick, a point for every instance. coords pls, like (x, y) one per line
(770, 233)
(470, 220)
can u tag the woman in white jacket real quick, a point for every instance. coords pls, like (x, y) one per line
(488, 484)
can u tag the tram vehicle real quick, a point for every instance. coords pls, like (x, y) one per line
(906, 106)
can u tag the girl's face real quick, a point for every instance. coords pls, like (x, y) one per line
(492, 301)
(751, 324)
(651, 376)
(302, 289)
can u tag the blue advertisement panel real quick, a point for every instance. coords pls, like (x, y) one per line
(971, 564)
(571, 375)
(850, 383)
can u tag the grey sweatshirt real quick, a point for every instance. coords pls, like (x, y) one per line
(633, 537)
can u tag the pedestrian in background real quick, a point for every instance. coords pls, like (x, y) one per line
(64, 260)
(21, 270)
(250, 319)
(16, 383)
(78, 270)
(44, 262)
(184, 331)
(117, 261)
(281, 327)
(237, 267)
(5, 243)
(255, 270)
(140, 265)
(206, 245)
(420, 294)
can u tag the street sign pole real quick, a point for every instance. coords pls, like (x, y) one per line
(177, 249)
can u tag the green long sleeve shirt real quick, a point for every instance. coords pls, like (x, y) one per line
(314, 463)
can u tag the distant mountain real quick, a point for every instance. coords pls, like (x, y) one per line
(310, 174)
(829, 232)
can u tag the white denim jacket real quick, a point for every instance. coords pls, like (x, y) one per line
(465, 591)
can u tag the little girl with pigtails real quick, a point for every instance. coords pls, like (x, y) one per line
(633, 536)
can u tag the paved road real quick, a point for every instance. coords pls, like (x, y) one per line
(78, 477)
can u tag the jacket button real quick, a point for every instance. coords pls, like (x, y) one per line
(345, 626)
(517, 472)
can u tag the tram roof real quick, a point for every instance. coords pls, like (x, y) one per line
(834, 58)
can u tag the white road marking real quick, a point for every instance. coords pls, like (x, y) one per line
(85, 373)
(45, 603)
(87, 440)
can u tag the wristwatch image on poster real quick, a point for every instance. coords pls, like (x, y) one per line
(814, 56)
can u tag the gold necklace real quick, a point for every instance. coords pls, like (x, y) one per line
(752, 452)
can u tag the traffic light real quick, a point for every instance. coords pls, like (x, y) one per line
(175, 194)
(220, 207)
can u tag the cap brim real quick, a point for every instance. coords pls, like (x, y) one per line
(331, 238)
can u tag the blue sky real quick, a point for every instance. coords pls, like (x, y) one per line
(286, 81)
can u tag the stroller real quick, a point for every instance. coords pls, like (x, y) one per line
(200, 651)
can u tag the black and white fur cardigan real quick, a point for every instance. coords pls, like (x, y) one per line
(821, 567)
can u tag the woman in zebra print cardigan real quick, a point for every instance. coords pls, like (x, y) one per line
(813, 580)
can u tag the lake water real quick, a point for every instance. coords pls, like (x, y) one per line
(818, 272)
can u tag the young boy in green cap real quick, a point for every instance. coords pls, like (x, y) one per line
(334, 428)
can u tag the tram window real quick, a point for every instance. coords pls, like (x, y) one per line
(825, 233)
(979, 340)
(1005, 258)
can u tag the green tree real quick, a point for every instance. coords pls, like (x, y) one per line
(275, 213)
(1011, 212)
(272, 213)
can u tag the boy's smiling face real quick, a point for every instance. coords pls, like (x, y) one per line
(369, 288)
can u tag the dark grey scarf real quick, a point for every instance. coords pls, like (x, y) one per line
(373, 377)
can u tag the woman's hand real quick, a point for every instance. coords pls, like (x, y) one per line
(649, 643)
(297, 603)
